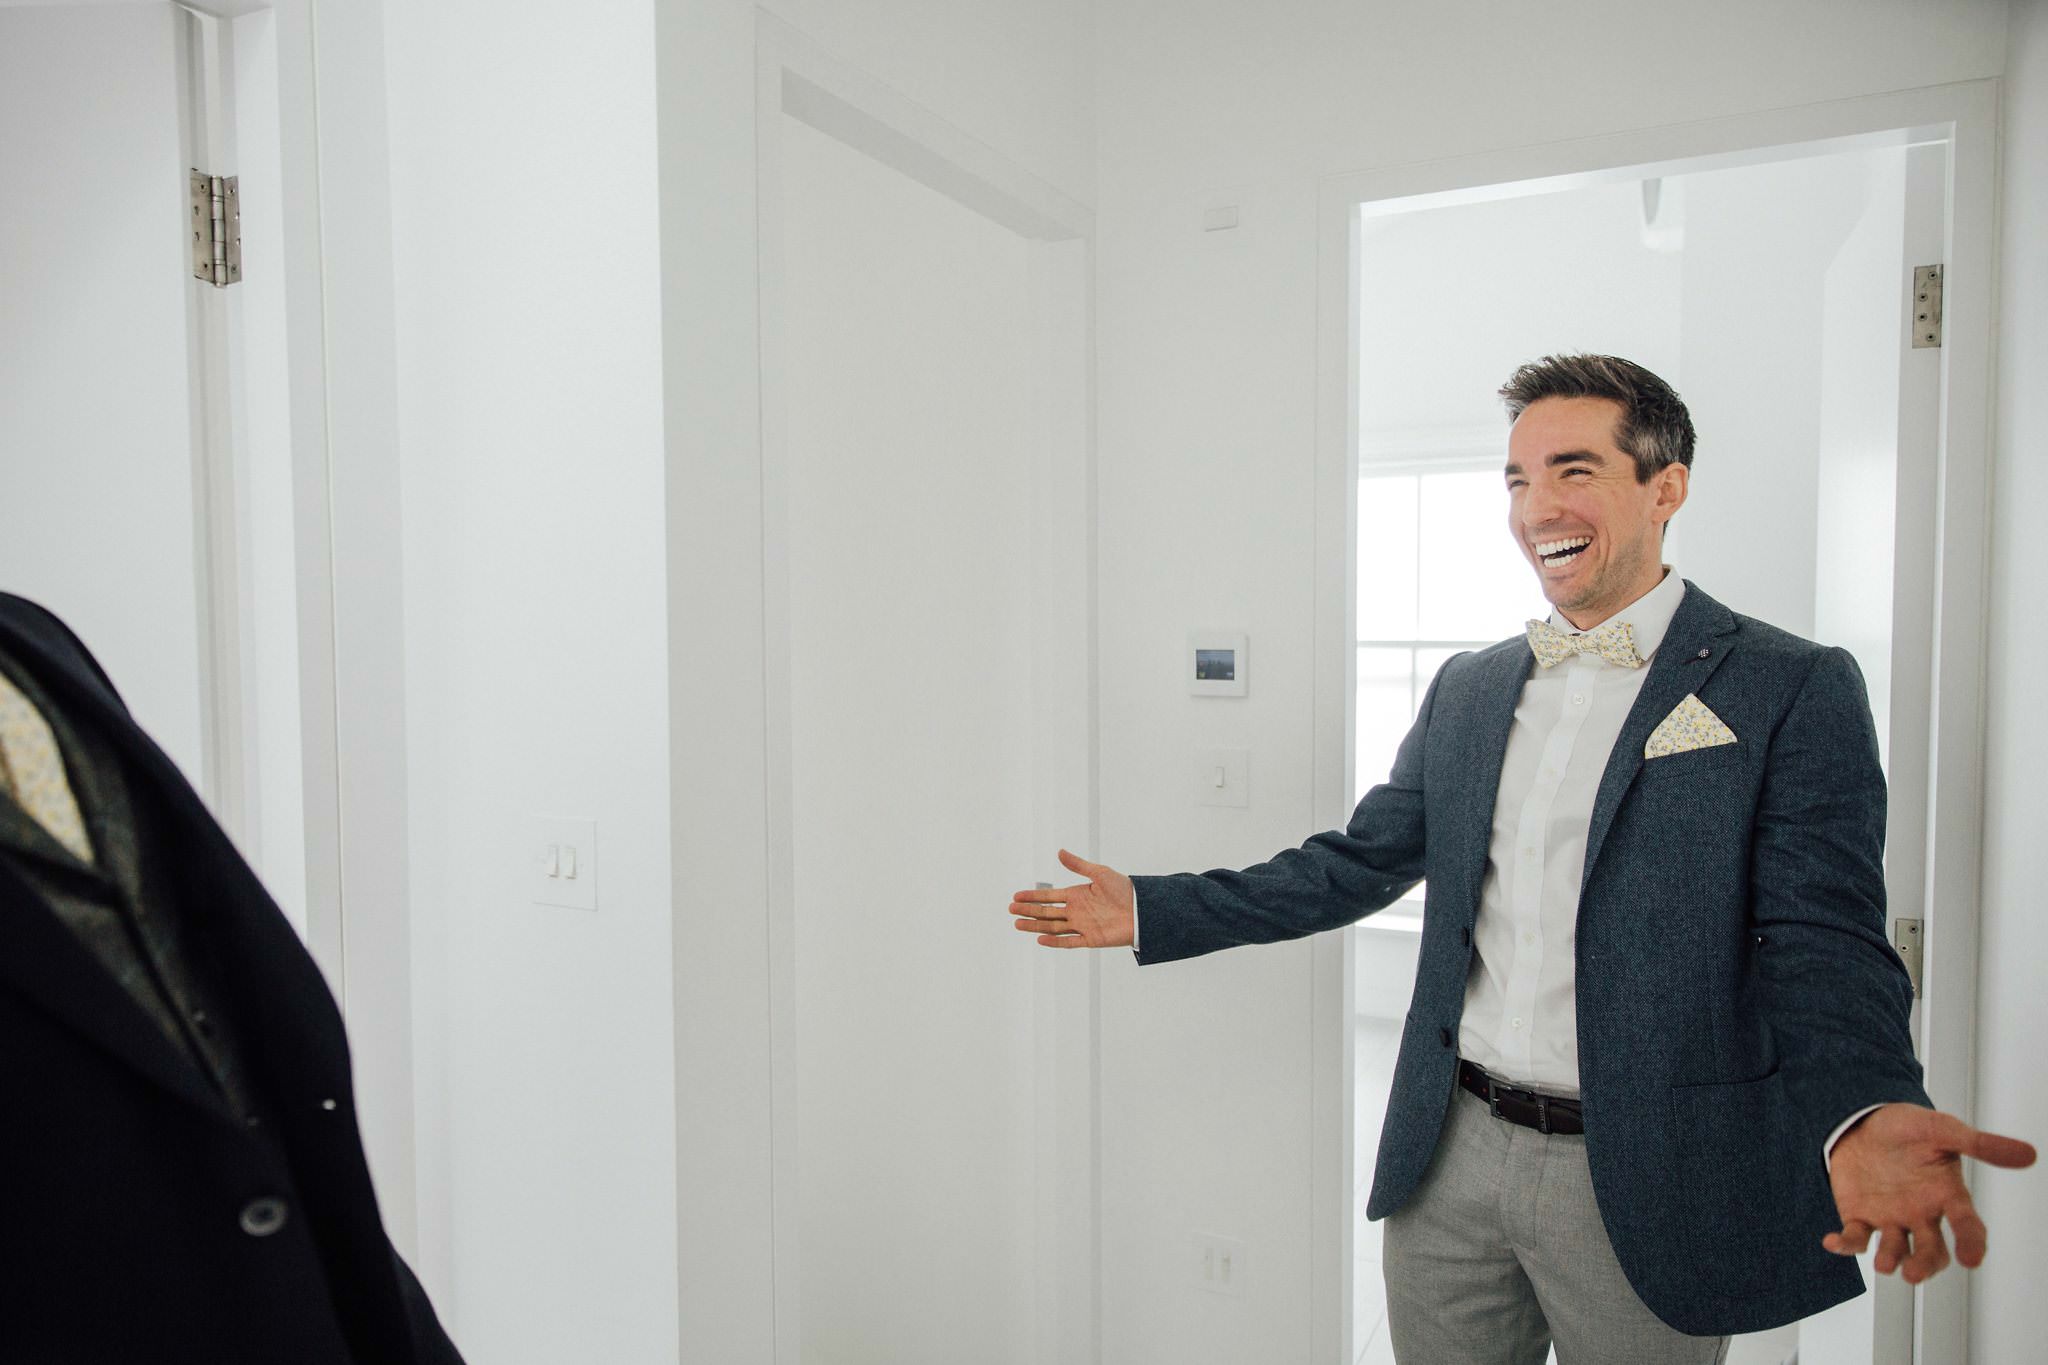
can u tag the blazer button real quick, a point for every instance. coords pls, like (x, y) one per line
(262, 1217)
(1444, 1034)
(1466, 934)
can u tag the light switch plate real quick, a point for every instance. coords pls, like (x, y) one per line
(1222, 777)
(556, 849)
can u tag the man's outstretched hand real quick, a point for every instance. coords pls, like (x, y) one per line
(1101, 912)
(1898, 1173)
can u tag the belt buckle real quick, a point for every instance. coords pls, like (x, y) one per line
(1543, 1114)
(1492, 1095)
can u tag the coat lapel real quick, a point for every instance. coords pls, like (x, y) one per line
(61, 666)
(1694, 645)
(1501, 677)
(39, 957)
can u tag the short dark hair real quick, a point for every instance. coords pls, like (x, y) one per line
(1654, 428)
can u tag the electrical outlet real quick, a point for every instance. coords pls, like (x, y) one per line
(1218, 1263)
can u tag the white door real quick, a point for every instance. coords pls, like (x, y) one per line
(145, 490)
(933, 533)
(1774, 296)
(97, 406)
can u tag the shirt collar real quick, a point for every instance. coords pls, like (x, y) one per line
(1649, 615)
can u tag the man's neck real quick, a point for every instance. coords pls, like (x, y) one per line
(1594, 617)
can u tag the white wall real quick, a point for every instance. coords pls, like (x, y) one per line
(2013, 1010)
(1014, 74)
(1453, 298)
(1206, 421)
(526, 255)
(1760, 241)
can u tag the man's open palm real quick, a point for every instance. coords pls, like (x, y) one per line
(1898, 1173)
(1101, 912)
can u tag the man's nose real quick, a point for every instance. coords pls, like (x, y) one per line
(1539, 506)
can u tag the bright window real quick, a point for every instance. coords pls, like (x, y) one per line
(1437, 574)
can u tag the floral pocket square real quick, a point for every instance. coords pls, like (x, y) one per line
(1691, 725)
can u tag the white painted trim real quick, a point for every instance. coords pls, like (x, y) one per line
(798, 79)
(1955, 798)
(340, 318)
(219, 532)
(312, 529)
(1965, 116)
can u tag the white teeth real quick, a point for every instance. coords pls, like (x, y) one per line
(1555, 547)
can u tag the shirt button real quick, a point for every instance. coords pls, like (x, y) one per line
(328, 1105)
(262, 1217)
(1578, 699)
(1528, 938)
(1516, 1021)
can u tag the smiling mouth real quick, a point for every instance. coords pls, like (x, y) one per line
(1553, 553)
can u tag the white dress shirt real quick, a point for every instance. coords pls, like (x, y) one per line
(1521, 1020)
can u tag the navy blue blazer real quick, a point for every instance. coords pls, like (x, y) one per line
(1737, 998)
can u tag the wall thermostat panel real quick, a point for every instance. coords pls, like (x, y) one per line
(1218, 663)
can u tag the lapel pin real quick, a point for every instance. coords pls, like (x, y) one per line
(1704, 653)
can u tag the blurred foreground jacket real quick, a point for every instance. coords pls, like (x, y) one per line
(181, 1175)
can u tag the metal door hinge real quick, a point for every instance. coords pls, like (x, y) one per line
(216, 228)
(1906, 938)
(1926, 306)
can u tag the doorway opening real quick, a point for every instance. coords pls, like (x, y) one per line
(1775, 293)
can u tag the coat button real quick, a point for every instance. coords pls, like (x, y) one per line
(1444, 1034)
(1466, 934)
(262, 1217)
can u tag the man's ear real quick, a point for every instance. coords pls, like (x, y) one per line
(1673, 482)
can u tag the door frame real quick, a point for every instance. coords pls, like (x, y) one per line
(1965, 117)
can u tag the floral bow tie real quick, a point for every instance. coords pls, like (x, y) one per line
(1615, 642)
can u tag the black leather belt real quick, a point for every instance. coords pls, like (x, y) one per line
(1544, 1113)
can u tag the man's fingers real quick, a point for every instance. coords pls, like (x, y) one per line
(1892, 1250)
(1044, 926)
(1968, 1228)
(1061, 941)
(1075, 863)
(1930, 1254)
(1850, 1241)
(1047, 895)
(1993, 1150)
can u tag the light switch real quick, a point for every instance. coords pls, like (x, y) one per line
(565, 868)
(1222, 777)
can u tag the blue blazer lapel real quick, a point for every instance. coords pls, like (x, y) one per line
(1497, 691)
(1693, 647)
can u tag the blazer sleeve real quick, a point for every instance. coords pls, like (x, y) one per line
(1330, 881)
(1835, 994)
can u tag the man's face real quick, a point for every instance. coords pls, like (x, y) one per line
(1573, 494)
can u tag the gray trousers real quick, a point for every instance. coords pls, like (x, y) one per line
(1501, 1252)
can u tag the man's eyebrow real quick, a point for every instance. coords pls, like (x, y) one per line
(1561, 457)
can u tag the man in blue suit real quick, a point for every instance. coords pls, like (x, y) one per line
(1657, 1083)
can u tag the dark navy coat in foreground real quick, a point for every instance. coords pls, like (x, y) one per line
(125, 1177)
(1736, 995)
